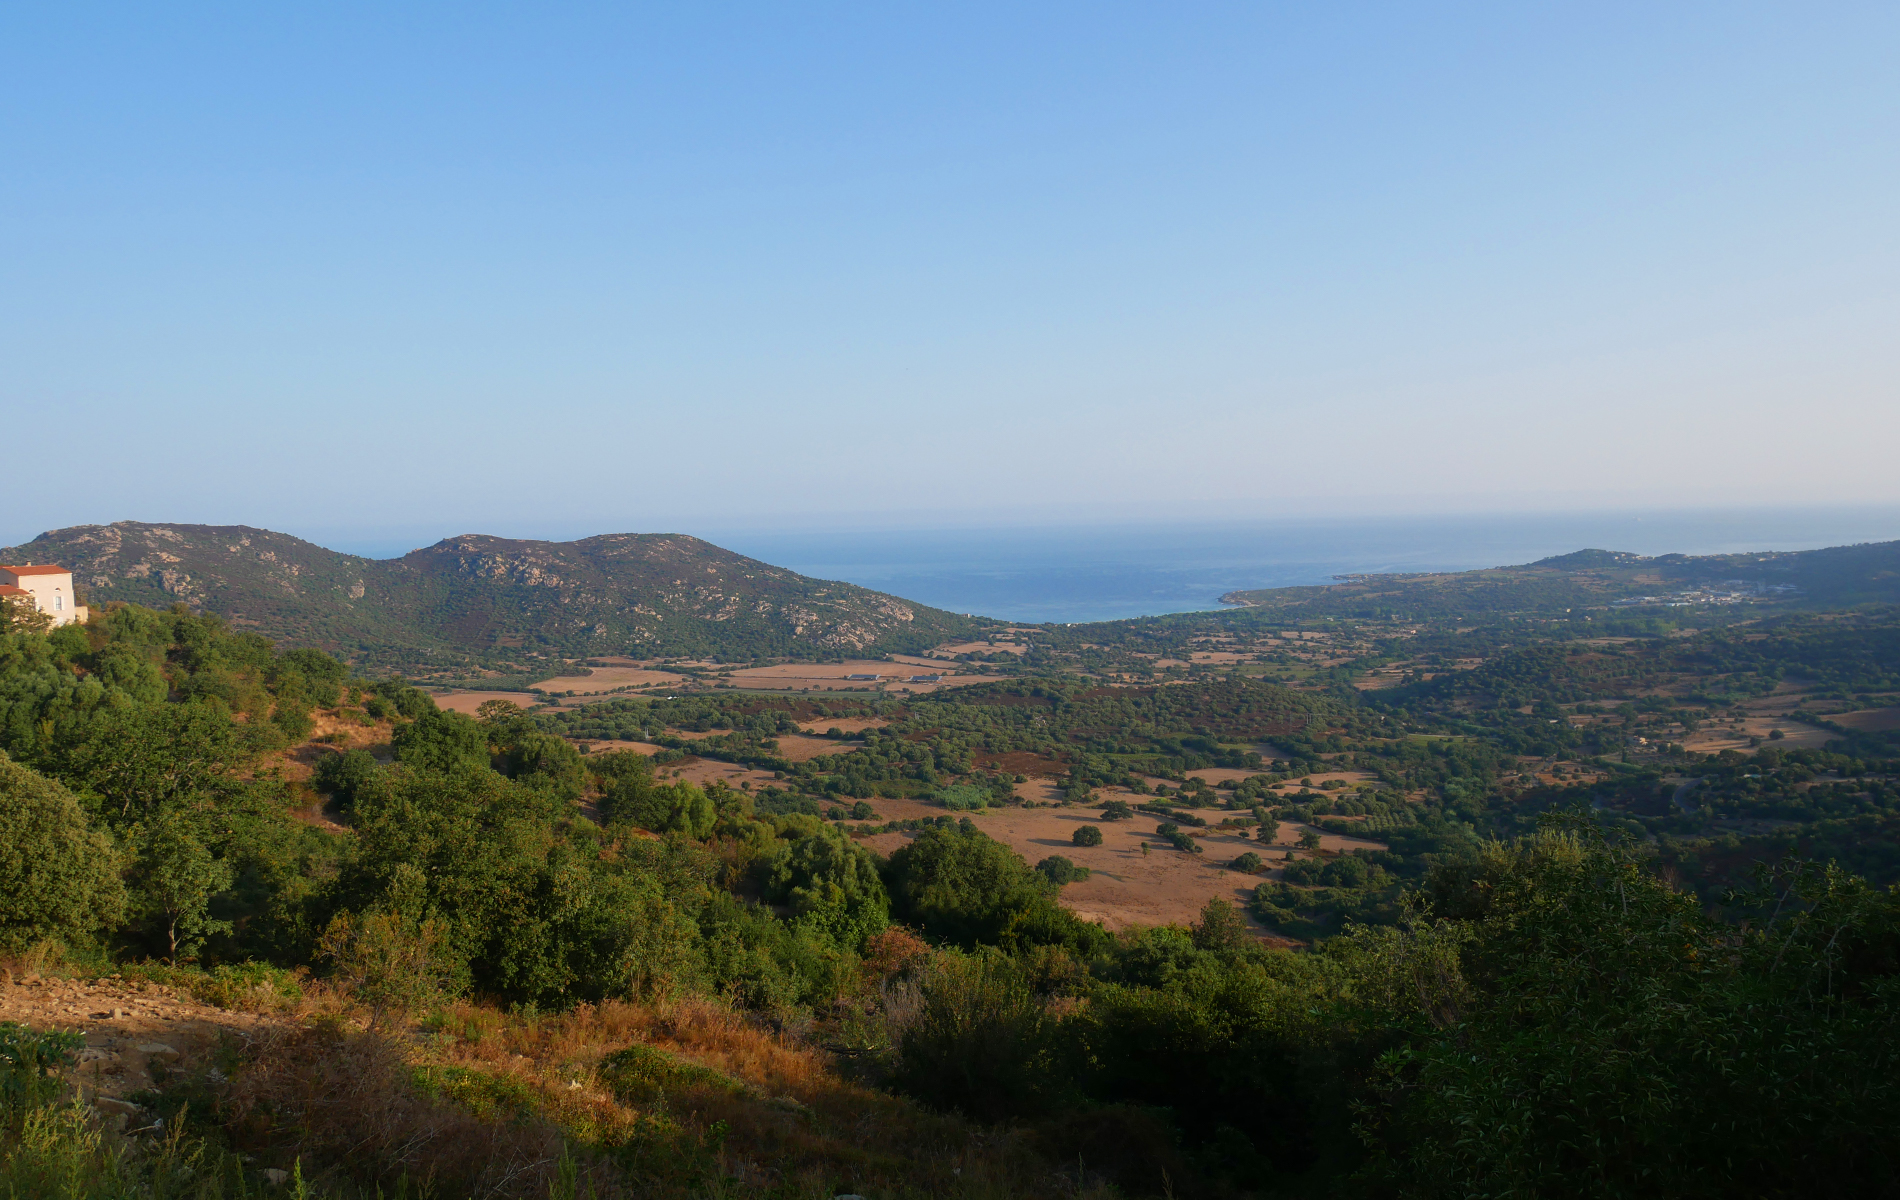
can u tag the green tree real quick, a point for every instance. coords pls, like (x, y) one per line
(58, 877)
(346, 776)
(1060, 871)
(176, 879)
(1086, 835)
(391, 962)
(440, 740)
(832, 885)
(965, 888)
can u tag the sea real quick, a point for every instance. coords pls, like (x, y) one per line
(1081, 573)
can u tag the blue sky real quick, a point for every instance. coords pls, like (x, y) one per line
(545, 270)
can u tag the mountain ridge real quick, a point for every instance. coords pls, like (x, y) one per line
(477, 598)
(1828, 577)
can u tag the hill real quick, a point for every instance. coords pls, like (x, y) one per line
(1837, 577)
(486, 599)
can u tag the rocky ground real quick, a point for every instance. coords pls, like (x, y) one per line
(132, 1029)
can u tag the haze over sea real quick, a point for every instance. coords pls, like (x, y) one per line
(1106, 573)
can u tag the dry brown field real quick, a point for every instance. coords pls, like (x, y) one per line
(1125, 887)
(796, 747)
(1870, 720)
(981, 648)
(845, 724)
(1795, 735)
(468, 702)
(1349, 779)
(606, 679)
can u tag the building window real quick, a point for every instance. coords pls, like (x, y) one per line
(59, 603)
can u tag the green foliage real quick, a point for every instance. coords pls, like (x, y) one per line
(1086, 835)
(440, 740)
(985, 1043)
(643, 1074)
(175, 882)
(964, 888)
(831, 884)
(964, 797)
(1613, 1039)
(391, 962)
(346, 775)
(31, 1063)
(1060, 871)
(59, 878)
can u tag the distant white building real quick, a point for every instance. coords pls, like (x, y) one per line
(48, 588)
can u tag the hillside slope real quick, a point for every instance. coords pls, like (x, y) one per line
(1837, 577)
(484, 599)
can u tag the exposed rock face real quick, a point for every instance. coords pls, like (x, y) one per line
(616, 593)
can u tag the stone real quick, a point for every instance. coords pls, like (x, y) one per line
(159, 1052)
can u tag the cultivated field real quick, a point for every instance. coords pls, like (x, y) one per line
(606, 679)
(1125, 887)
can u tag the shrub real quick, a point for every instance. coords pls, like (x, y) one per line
(391, 963)
(344, 776)
(984, 1044)
(1061, 871)
(59, 878)
(964, 797)
(1248, 862)
(965, 888)
(1086, 835)
(1117, 810)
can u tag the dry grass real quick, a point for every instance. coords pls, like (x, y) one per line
(764, 1114)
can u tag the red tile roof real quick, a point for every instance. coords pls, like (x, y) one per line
(7, 589)
(40, 570)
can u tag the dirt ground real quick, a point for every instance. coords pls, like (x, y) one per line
(129, 1027)
(703, 771)
(1214, 775)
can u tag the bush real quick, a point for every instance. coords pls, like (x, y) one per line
(439, 740)
(964, 797)
(59, 878)
(391, 964)
(31, 1063)
(984, 1044)
(344, 776)
(1117, 810)
(1086, 835)
(1248, 862)
(1061, 871)
(963, 887)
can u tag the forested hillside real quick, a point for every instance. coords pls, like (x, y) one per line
(500, 966)
(486, 600)
(1837, 577)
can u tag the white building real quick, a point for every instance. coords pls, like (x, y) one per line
(48, 588)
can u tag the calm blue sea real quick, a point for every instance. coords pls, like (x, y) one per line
(1105, 573)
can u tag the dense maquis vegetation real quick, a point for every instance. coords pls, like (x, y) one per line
(1522, 995)
(475, 600)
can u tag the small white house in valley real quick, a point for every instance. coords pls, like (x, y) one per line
(49, 588)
